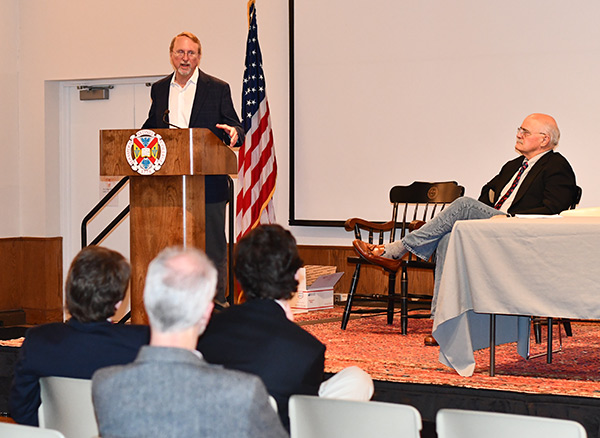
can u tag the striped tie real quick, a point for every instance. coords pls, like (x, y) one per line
(512, 186)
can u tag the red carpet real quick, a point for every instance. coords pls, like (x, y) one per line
(382, 351)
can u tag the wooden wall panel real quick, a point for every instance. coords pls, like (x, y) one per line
(10, 288)
(31, 277)
(372, 279)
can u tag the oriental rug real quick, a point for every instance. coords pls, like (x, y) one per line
(383, 352)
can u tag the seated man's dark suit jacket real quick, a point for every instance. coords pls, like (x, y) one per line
(71, 349)
(256, 337)
(212, 105)
(548, 188)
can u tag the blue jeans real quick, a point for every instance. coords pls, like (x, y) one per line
(435, 234)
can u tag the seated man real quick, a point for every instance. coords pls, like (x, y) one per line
(169, 390)
(96, 285)
(539, 181)
(260, 336)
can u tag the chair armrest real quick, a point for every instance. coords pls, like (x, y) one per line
(415, 225)
(364, 224)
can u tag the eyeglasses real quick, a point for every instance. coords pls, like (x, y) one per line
(181, 53)
(526, 133)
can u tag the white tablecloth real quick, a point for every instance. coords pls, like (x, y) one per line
(514, 266)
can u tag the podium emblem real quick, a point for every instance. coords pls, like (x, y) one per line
(145, 152)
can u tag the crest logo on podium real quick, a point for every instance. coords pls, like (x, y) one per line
(145, 152)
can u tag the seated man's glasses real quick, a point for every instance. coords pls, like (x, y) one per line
(526, 133)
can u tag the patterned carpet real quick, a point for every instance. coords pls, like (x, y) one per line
(382, 351)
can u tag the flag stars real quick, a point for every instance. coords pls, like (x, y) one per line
(253, 80)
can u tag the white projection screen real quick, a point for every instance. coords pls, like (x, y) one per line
(387, 92)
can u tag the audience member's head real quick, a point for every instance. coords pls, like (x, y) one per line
(266, 263)
(180, 287)
(96, 283)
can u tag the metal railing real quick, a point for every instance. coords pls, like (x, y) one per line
(96, 209)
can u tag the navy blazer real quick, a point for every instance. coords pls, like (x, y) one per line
(212, 105)
(548, 188)
(71, 349)
(256, 337)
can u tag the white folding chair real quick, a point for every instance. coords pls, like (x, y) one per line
(455, 423)
(10, 430)
(317, 417)
(67, 407)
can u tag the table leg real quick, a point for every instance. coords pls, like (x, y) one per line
(549, 347)
(492, 344)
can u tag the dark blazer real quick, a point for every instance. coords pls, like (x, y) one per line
(212, 105)
(257, 337)
(548, 188)
(71, 349)
(171, 392)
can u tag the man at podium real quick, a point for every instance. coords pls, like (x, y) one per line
(189, 98)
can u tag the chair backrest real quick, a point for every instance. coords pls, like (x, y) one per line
(67, 407)
(455, 423)
(21, 431)
(317, 417)
(421, 201)
(577, 198)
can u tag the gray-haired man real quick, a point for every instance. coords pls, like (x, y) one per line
(169, 390)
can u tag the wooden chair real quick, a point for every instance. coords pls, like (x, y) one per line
(413, 205)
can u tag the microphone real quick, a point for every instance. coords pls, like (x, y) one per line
(165, 119)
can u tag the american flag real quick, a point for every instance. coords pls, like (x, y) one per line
(257, 167)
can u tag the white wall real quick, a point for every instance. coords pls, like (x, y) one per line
(9, 121)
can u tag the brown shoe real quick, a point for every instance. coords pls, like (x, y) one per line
(362, 248)
(430, 341)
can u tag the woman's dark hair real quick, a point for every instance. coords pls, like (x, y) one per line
(96, 282)
(266, 262)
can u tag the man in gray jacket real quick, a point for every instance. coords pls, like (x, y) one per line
(169, 390)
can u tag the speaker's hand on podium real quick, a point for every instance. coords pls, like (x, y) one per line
(231, 132)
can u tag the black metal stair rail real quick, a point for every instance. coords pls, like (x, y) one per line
(99, 206)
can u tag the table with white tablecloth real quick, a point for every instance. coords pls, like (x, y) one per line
(514, 267)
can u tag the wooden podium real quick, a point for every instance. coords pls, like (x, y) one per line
(167, 206)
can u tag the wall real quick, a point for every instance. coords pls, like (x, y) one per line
(9, 121)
